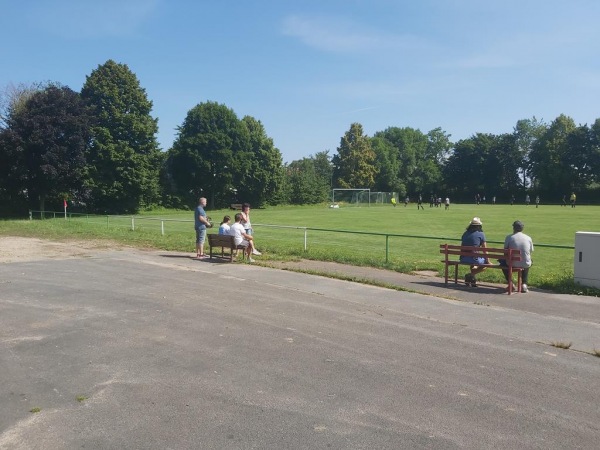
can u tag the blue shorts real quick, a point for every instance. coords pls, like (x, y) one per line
(472, 260)
(200, 236)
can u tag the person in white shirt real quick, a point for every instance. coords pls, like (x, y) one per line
(519, 241)
(225, 226)
(240, 237)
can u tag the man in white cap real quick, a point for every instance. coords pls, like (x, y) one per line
(519, 241)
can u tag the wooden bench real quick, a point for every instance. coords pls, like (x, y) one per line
(236, 206)
(225, 242)
(509, 255)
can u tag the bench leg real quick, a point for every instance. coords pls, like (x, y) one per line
(456, 274)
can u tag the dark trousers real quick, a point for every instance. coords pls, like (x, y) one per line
(524, 276)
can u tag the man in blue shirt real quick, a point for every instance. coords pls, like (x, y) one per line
(201, 223)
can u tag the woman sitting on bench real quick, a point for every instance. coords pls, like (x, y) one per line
(474, 237)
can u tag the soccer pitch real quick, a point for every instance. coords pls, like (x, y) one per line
(551, 227)
(398, 238)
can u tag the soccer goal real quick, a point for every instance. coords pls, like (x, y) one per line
(383, 198)
(351, 197)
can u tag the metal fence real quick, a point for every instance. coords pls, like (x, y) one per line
(322, 239)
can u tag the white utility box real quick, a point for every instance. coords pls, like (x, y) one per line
(587, 258)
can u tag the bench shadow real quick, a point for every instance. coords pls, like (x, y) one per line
(482, 288)
(178, 256)
(214, 259)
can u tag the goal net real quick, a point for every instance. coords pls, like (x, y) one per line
(351, 197)
(383, 198)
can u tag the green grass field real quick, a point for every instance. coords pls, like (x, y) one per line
(412, 243)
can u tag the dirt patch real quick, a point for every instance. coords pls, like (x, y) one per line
(14, 249)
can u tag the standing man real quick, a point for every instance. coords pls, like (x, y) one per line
(537, 201)
(447, 203)
(519, 241)
(573, 199)
(201, 223)
(420, 203)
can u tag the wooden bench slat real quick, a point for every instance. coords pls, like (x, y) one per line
(509, 255)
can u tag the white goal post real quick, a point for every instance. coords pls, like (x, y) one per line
(354, 197)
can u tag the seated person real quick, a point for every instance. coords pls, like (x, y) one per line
(247, 225)
(519, 241)
(474, 237)
(241, 238)
(225, 226)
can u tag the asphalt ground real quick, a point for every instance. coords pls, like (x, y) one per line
(142, 350)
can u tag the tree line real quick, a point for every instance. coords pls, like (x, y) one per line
(98, 150)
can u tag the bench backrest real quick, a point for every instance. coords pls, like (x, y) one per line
(508, 254)
(221, 240)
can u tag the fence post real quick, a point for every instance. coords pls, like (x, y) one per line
(387, 248)
(107, 221)
(162, 227)
(30, 215)
(132, 224)
(305, 239)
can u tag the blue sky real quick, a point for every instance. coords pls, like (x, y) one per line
(309, 69)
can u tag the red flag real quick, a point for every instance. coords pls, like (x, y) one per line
(65, 203)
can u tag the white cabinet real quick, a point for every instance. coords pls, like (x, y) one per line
(587, 258)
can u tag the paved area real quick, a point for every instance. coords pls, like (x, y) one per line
(535, 301)
(134, 349)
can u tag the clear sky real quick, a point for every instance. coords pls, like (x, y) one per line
(308, 69)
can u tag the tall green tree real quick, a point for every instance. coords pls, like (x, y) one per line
(124, 160)
(388, 166)
(44, 145)
(354, 163)
(206, 154)
(309, 179)
(323, 169)
(594, 161)
(552, 164)
(439, 146)
(13, 99)
(305, 187)
(412, 163)
(261, 164)
(484, 164)
(526, 133)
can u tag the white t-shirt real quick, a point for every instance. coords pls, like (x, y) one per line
(236, 231)
(224, 229)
